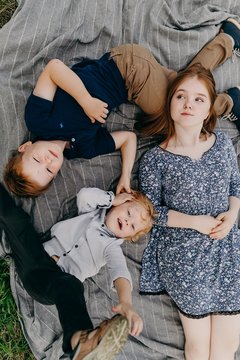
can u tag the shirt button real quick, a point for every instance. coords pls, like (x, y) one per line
(64, 254)
(101, 234)
(102, 225)
(72, 139)
(76, 246)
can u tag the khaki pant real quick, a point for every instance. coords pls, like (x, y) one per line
(146, 80)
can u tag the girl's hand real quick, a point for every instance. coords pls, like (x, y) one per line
(95, 109)
(122, 198)
(134, 320)
(123, 185)
(205, 223)
(228, 219)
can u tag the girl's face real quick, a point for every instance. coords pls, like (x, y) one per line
(190, 103)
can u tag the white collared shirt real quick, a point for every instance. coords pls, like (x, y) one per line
(84, 244)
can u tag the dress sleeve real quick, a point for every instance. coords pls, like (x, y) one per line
(234, 187)
(150, 182)
(90, 199)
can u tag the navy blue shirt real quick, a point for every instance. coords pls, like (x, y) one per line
(64, 119)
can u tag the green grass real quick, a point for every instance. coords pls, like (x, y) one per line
(12, 342)
(7, 8)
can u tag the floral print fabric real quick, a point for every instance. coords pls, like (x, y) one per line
(201, 275)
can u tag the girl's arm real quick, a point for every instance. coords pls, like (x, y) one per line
(202, 223)
(57, 74)
(126, 141)
(125, 308)
(150, 176)
(227, 218)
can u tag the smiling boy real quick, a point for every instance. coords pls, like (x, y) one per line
(94, 237)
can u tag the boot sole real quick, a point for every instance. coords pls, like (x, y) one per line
(112, 342)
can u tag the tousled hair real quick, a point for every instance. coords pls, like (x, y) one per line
(142, 199)
(161, 123)
(18, 183)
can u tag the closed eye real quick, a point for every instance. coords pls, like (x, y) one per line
(49, 171)
(36, 160)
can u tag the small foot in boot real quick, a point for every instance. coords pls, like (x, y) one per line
(104, 342)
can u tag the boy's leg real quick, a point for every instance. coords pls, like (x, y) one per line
(145, 79)
(225, 335)
(40, 275)
(215, 53)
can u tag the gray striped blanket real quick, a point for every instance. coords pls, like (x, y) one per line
(71, 30)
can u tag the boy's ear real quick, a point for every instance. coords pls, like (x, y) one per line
(23, 147)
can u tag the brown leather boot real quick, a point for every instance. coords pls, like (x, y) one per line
(104, 342)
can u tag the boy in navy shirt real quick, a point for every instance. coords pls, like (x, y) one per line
(61, 126)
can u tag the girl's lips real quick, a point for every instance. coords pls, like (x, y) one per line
(188, 114)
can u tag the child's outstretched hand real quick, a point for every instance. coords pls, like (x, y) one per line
(134, 320)
(228, 219)
(122, 198)
(95, 109)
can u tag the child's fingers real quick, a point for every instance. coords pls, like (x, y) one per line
(217, 227)
(100, 119)
(105, 104)
(137, 327)
(220, 234)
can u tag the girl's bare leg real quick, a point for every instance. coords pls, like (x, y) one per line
(225, 336)
(197, 337)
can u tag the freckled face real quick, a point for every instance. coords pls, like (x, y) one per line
(127, 219)
(190, 103)
(41, 160)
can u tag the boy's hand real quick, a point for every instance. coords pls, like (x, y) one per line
(95, 109)
(123, 185)
(134, 320)
(228, 219)
(122, 198)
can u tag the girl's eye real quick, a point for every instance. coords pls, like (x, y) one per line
(49, 171)
(129, 213)
(133, 227)
(36, 160)
(180, 96)
(199, 100)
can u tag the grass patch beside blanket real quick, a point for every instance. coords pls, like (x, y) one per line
(12, 341)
